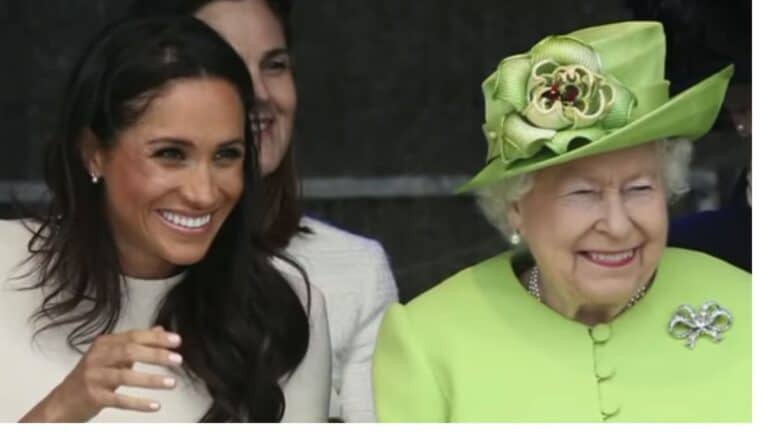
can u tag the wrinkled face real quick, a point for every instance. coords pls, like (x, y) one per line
(256, 34)
(596, 226)
(173, 177)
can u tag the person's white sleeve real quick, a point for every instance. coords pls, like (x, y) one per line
(308, 389)
(356, 392)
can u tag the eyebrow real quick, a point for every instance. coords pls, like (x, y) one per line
(186, 143)
(276, 52)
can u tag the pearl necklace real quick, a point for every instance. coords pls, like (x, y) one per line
(534, 289)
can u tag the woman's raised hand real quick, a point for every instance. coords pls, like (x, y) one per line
(107, 365)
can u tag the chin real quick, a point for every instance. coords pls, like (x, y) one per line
(267, 167)
(612, 290)
(270, 157)
(186, 257)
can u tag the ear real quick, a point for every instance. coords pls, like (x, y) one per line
(515, 217)
(91, 153)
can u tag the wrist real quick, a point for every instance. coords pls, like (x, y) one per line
(48, 410)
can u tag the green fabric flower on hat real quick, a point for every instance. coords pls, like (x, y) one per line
(551, 96)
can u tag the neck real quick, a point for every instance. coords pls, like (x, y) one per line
(578, 310)
(575, 308)
(143, 266)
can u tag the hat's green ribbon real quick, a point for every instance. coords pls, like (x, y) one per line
(551, 97)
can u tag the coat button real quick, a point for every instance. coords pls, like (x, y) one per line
(610, 403)
(610, 408)
(600, 333)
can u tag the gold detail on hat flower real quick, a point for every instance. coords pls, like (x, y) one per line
(551, 96)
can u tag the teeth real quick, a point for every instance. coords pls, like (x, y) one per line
(186, 222)
(611, 257)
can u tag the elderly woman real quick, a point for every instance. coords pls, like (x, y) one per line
(146, 292)
(590, 317)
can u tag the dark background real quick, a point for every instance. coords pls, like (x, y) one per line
(387, 90)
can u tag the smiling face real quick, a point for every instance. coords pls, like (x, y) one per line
(596, 227)
(172, 178)
(255, 33)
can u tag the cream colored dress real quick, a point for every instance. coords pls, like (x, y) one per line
(31, 368)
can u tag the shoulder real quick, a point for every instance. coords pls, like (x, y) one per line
(466, 291)
(701, 266)
(15, 235)
(691, 277)
(339, 262)
(326, 238)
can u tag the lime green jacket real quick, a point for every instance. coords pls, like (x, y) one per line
(479, 348)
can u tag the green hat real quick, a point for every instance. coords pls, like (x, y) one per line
(592, 91)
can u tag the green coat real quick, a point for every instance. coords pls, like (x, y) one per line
(479, 348)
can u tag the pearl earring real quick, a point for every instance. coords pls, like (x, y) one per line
(94, 178)
(514, 238)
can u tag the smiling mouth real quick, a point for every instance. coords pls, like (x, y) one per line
(610, 259)
(186, 223)
(264, 124)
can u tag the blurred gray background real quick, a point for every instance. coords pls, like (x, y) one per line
(389, 112)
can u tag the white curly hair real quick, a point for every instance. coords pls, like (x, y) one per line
(494, 200)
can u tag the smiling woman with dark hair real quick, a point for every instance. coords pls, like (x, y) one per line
(351, 271)
(148, 283)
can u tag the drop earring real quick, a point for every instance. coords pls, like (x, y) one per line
(94, 178)
(514, 238)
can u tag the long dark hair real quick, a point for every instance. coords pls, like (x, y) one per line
(243, 325)
(283, 215)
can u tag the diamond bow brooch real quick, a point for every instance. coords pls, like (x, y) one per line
(711, 320)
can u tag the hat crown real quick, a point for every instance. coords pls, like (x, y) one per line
(584, 93)
(633, 52)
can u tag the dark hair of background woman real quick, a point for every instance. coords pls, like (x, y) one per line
(242, 324)
(282, 188)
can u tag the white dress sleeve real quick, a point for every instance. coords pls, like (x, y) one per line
(308, 389)
(356, 392)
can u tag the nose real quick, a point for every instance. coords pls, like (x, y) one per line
(260, 89)
(199, 188)
(615, 220)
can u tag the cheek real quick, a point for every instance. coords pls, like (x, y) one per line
(561, 226)
(651, 217)
(284, 94)
(230, 182)
(134, 184)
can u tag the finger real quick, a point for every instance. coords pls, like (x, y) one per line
(128, 354)
(114, 378)
(150, 337)
(121, 401)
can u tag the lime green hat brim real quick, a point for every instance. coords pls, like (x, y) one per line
(689, 115)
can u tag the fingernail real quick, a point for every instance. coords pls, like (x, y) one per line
(174, 358)
(169, 382)
(154, 406)
(174, 338)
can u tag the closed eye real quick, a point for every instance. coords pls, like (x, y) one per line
(641, 188)
(582, 192)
